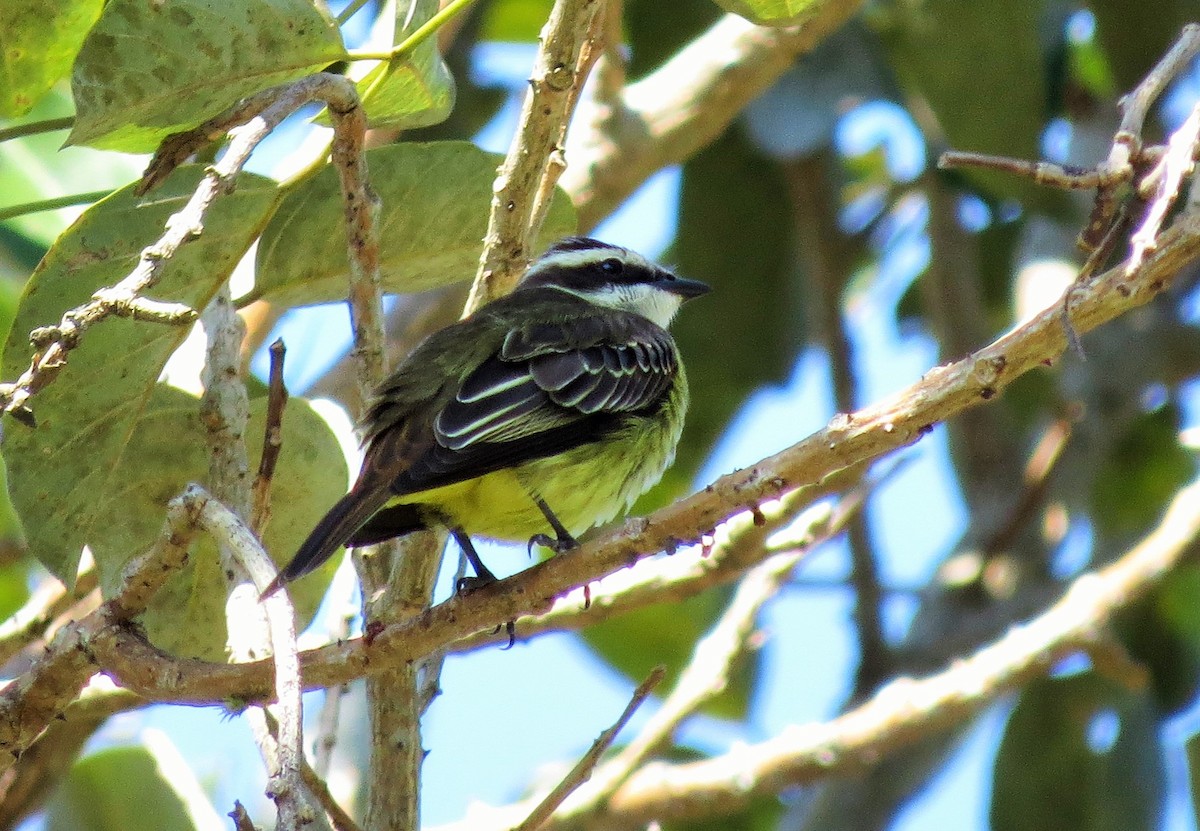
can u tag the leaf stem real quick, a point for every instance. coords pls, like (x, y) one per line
(350, 10)
(444, 15)
(51, 204)
(48, 125)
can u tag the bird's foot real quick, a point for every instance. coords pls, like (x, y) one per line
(559, 545)
(469, 585)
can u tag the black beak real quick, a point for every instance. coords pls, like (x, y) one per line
(686, 289)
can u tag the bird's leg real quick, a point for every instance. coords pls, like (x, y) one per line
(562, 539)
(483, 575)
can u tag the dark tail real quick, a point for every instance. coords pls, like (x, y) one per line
(336, 528)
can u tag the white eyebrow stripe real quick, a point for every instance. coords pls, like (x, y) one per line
(575, 259)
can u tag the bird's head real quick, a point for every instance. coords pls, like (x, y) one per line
(613, 277)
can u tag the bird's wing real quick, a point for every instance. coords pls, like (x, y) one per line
(550, 388)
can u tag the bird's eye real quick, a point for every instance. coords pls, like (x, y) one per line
(612, 266)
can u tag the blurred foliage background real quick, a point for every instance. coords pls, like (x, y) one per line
(827, 232)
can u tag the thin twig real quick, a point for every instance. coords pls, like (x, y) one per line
(1063, 177)
(277, 395)
(341, 820)
(34, 619)
(56, 202)
(1168, 175)
(584, 767)
(34, 128)
(241, 818)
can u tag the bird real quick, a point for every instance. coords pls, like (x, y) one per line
(549, 409)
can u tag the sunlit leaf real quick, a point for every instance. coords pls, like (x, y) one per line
(33, 168)
(771, 12)
(38, 42)
(86, 417)
(413, 90)
(132, 89)
(435, 205)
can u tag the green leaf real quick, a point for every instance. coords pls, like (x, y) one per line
(1162, 633)
(1079, 753)
(771, 12)
(167, 450)
(86, 417)
(38, 42)
(1141, 471)
(128, 789)
(666, 633)
(132, 88)
(434, 215)
(514, 21)
(415, 89)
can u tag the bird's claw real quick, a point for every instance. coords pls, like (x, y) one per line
(558, 545)
(468, 585)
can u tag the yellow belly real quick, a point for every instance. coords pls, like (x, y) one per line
(583, 487)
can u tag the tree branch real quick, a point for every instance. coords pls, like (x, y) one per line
(683, 106)
(849, 439)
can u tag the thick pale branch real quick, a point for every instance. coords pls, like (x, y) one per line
(907, 710)
(902, 712)
(848, 439)
(682, 107)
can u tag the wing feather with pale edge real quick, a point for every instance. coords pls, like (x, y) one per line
(550, 388)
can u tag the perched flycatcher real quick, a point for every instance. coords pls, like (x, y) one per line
(550, 409)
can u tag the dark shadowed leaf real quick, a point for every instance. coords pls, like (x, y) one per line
(38, 42)
(86, 417)
(435, 204)
(1079, 753)
(1162, 632)
(734, 231)
(132, 89)
(937, 49)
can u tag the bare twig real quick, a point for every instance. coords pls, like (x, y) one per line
(901, 713)
(241, 818)
(584, 767)
(1063, 177)
(337, 814)
(705, 677)
(277, 395)
(1167, 178)
(907, 710)
(848, 440)
(558, 73)
(36, 617)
